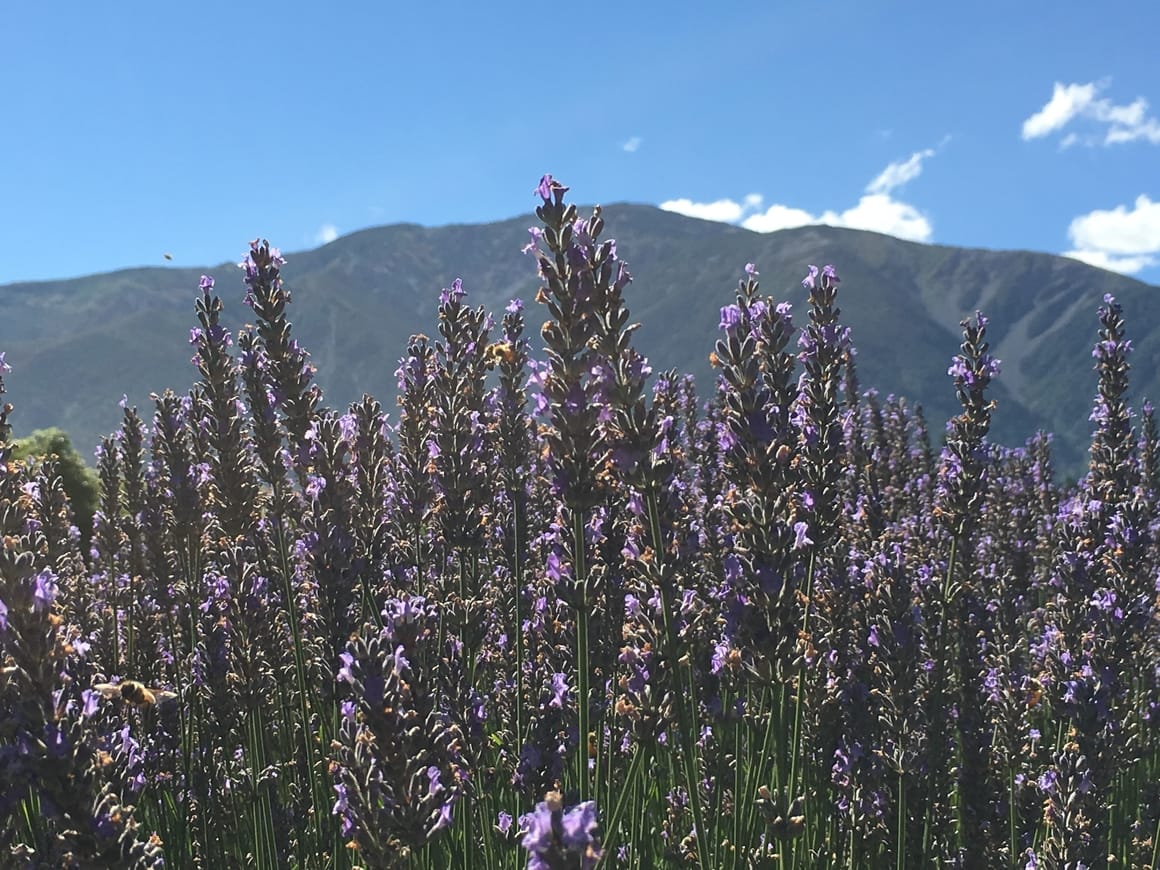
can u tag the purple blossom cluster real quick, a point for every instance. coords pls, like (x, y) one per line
(555, 611)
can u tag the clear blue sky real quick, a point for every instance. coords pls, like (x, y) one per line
(129, 130)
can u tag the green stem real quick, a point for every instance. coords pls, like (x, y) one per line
(795, 748)
(634, 769)
(582, 664)
(183, 723)
(900, 847)
(739, 788)
(318, 803)
(1156, 845)
(468, 854)
(419, 568)
(518, 575)
(131, 622)
(720, 844)
(1012, 833)
(937, 703)
(263, 815)
(640, 825)
(772, 727)
(686, 690)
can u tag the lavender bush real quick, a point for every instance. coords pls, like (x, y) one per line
(558, 613)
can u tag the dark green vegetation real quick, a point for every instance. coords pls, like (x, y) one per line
(80, 483)
(78, 345)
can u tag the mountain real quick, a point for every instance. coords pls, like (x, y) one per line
(76, 346)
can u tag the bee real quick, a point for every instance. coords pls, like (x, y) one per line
(1034, 692)
(500, 351)
(135, 693)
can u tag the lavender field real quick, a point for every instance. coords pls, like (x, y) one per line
(557, 611)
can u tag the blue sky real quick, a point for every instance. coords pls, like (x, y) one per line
(131, 130)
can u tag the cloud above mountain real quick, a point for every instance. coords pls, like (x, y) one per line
(877, 210)
(1120, 239)
(326, 234)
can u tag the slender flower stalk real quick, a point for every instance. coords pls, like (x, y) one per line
(963, 470)
(574, 441)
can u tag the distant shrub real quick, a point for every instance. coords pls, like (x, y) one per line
(80, 482)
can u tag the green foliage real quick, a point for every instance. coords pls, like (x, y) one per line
(80, 482)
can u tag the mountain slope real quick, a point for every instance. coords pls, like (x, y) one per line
(77, 345)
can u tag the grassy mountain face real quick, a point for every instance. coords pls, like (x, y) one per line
(76, 346)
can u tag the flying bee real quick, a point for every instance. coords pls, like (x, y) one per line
(137, 694)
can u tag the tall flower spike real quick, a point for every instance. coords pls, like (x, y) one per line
(290, 373)
(824, 346)
(573, 438)
(1111, 446)
(964, 460)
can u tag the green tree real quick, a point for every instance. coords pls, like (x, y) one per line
(81, 484)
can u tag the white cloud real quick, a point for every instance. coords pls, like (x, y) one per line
(1114, 124)
(326, 234)
(1148, 129)
(1103, 260)
(1120, 239)
(632, 144)
(778, 217)
(1119, 230)
(723, 210)
(880, 213)
(1066, 102)
(876, 210)
(898, 173)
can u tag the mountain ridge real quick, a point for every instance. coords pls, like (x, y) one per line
(77, 344)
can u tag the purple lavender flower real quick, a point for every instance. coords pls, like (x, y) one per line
(504, 822)
(556, 838)
(538, 824)
(730, 317)
(549, 186)
(801, 536)
(533, 243)
(559, 691)
(44, 591)
(579, 827)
